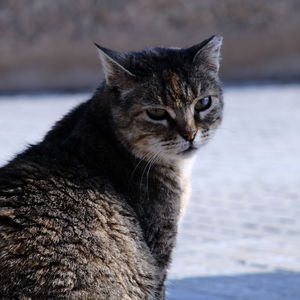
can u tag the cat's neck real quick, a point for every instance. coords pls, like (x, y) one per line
(153, 191)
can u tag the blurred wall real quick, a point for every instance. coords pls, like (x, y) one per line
(47, 44)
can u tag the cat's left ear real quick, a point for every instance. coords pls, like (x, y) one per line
(207, 53)
(114, 67)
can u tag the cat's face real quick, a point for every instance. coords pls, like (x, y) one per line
(169, 101)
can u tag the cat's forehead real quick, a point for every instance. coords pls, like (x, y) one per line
(178, 90)
(168, 79)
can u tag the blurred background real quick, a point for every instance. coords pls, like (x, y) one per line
(240, 236)
(49, 44)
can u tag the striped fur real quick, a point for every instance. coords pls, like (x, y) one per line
(91, 212)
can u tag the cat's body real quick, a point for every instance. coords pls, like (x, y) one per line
(88, 213)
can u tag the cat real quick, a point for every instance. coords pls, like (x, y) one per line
(91, 212)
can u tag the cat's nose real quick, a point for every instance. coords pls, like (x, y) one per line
(189, 135)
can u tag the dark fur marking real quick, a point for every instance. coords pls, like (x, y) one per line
(81, 216)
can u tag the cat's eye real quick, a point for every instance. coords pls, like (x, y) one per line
(157, 114)
(203, 104)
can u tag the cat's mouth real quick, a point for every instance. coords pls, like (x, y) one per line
(191, 149)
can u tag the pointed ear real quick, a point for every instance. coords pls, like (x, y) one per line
(115, 72)
(207, 53)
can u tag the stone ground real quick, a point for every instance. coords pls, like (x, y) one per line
(240, 236)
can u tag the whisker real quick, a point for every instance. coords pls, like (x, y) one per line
(142, 159)
(148, 162)
(148, 172)
(146, 157)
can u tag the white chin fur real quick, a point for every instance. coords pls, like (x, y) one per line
(186, 165)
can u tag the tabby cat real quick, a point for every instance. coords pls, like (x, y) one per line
(91, 212)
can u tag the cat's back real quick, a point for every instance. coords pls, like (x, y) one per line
(67, 235)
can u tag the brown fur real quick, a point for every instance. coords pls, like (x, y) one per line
(92, 211)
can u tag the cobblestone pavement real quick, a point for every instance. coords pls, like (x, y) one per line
(240, 236)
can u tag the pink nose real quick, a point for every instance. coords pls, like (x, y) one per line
(189, 135)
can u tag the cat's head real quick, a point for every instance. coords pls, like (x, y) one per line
(167, 101)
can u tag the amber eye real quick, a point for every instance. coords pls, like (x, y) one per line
(157, 114)
(203, 104)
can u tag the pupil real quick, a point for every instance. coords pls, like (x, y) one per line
(203, 104)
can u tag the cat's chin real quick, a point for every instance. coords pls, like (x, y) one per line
(190, 151)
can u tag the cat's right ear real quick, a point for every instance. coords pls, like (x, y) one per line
(114, 67)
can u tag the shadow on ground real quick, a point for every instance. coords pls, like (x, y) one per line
(264, 286)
